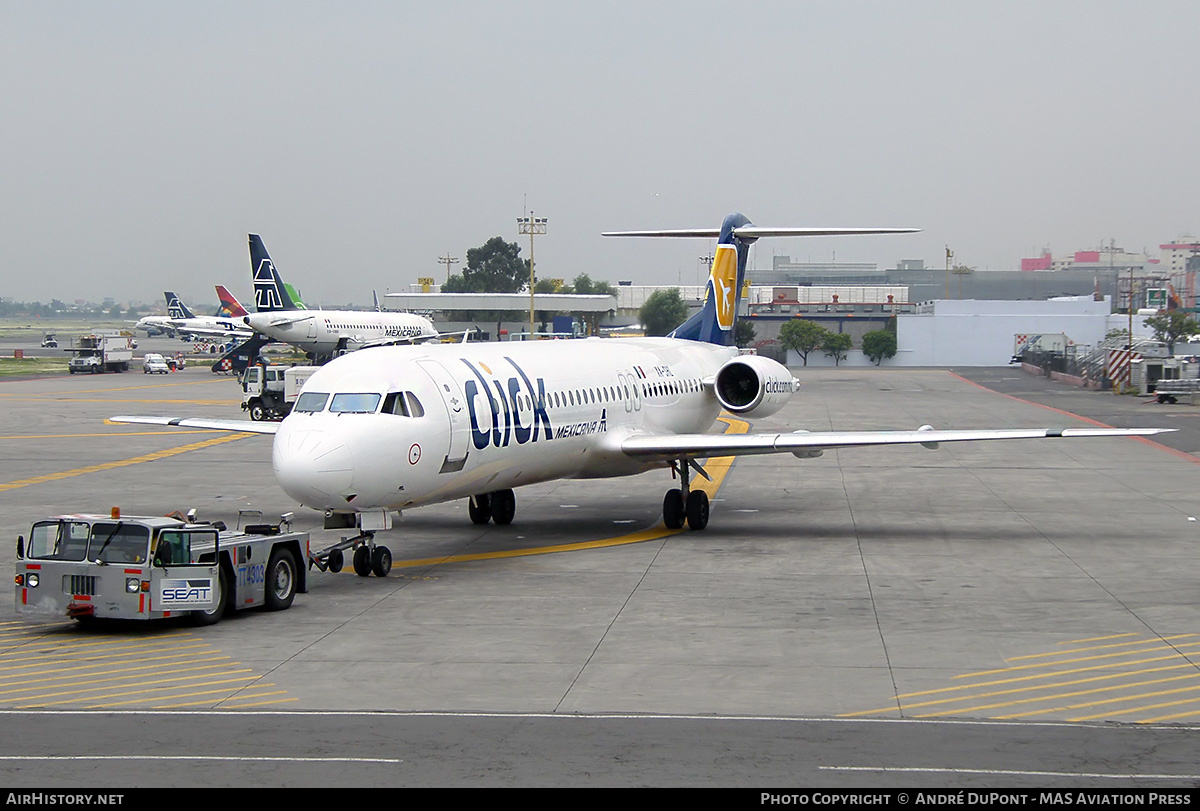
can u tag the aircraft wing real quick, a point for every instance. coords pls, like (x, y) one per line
(811, 443)
(247, 426)
(284, 320)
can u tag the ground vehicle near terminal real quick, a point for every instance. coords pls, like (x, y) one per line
(90, 567)
(269, 392)
(101, 353)
(49, 341)
(154, 363)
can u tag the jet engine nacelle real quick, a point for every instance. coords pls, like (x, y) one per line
(753, 386)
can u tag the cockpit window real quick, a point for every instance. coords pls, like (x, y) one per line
(311, 401)
(403, 403)
(354, 403)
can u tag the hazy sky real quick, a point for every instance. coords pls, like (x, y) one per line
(141, 141)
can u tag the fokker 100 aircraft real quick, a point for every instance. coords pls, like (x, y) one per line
(395, 427)
(321, 333)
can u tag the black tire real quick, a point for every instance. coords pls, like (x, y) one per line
(673, 509)
(257, 412)
(381, 561)
(336, 561)
(281, 580)
(480, 508)
(697, 510)
(504, 507)
(218, 611)
(362, 561)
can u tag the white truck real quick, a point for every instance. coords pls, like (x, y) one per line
(94, 567)
(269, 392)
(100, 353)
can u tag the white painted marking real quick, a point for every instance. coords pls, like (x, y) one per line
(1010, 772)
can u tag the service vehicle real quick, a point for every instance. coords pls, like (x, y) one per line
(101, 353)
(49, 341)
(94, 567)
(154, 363)
(269, 392)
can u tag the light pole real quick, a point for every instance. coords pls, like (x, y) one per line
(531, 225)
(447, 260)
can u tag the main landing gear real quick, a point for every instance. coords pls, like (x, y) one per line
(684, 503)
(499, 506)
(368, 559)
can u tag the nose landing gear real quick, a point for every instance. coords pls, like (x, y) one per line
(368, 559)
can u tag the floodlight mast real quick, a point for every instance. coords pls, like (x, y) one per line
(531, 225)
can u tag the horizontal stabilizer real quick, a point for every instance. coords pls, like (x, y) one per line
(752, 232)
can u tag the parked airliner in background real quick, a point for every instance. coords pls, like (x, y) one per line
(186, 322)
(390, 428)
(321, 333)
(181, 320)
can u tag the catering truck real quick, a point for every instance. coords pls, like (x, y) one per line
(269, 392)
(101, 353)
(92, 567)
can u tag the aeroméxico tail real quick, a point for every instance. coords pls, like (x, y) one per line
(391, 428)
(321, 333)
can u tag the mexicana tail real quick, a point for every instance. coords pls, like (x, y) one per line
(176, 308)
(270, 293)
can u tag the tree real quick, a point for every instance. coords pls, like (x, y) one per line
(802, 337)
(743, 333)
(836, 345)
(584, 285)
(663, 311)
(878, 345)
(1172, 327)
(495, 266)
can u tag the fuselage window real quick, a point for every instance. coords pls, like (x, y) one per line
(355, 403)
(311, 402)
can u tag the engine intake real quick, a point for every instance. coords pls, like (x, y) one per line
(753, 386)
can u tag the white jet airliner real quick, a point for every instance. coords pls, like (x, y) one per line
(321, 333)
(390, 428)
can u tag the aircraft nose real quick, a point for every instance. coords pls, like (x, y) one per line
(312, 467)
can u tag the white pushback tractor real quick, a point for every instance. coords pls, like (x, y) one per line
(90, 567)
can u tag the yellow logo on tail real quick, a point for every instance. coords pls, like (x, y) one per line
(724, 280)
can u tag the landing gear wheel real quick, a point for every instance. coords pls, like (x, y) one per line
(213, 616)
(673, 509)
(697, 509)
(381, 561)
(480, 508)
(504, 506)
(362, 561)
(281, 580)
(336, 561)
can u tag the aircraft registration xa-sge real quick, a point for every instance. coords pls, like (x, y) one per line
(389, 428)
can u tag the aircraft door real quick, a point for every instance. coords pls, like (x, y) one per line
(456, 408)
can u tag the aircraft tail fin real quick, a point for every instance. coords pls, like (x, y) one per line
(270, 293)
(230, 306)
(175, 306)
(715, 322)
